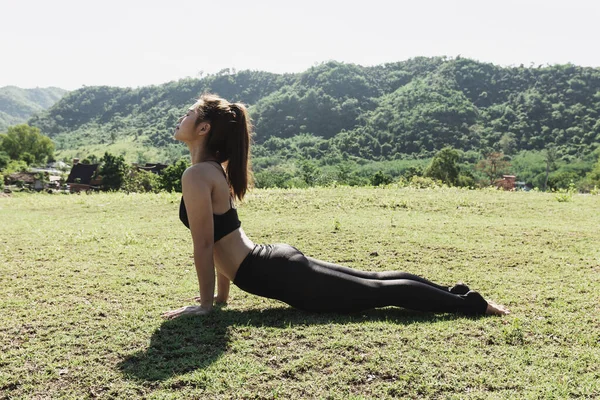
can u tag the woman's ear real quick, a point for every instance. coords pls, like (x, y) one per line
(203, 128)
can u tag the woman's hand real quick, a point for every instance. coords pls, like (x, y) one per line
(187, 310)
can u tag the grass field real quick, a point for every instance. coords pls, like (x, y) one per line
(84, 279)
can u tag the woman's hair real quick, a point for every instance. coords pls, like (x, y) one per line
(229, 138)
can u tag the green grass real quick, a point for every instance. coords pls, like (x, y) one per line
(84, 279)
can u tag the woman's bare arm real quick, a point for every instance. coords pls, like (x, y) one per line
(222, 288)
(198, 204)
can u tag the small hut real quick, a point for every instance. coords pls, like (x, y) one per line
(507, 182)
(81, 177)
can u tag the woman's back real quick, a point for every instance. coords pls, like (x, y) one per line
(231, 249)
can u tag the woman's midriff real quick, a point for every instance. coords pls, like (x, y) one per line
(230, 251)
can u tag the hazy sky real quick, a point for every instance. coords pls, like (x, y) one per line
(71, 43)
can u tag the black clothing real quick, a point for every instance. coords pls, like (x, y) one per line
(224, 224)
(282, 272)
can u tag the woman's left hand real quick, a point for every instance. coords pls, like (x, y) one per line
(187, 310)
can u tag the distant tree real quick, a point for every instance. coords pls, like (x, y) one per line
(508, 143)
(28, 158)
(112, 170)
(444, 166)
(493, 166)
(413, 171)
(24, 142)
(592, 179)
(550, 157)
(4, 160)
(344, 169)
(15, 166)
(381, 178)
(309, 172)
(171, 176)
(142, 157)
(139, 181)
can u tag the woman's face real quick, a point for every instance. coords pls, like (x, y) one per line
(186, 127)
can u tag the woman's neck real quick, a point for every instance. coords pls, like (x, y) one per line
(198, 155)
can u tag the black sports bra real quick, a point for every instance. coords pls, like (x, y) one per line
(223, 224)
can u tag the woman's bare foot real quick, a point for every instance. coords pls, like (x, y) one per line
(496, 309)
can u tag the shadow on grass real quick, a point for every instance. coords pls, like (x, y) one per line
(186, 344)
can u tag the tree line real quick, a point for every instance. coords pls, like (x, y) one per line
(409, 109)
(346, 123)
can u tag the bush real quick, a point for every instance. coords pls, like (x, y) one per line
(327, 178)
(381, 178)
(15, 166)
(564, 195)
(139, 181)
(356, 180)
(272, 178)
(171, 177)
(1, 182)
(295, 183)
(4, 160)
(423, 182)
(561, 179)
(444, 166)
(112, 171)
(466, 180)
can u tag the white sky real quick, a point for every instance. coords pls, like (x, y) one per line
(71, 43)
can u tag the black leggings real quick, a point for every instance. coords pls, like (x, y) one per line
(282, 272)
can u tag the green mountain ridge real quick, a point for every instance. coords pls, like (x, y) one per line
(18, 105)
(408, 109)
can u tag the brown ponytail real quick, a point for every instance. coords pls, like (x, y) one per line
(229, 139)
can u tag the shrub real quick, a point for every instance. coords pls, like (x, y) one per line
(171, 177)
(295, 183)
(564, 195)
(15, 166)
(466, 180)
(381, 178)
(274, 177)
(444, 166)
(423, 182)
(139, 181)
(112, 171)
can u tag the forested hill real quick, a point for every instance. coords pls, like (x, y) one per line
(18, 105)
(406, 109)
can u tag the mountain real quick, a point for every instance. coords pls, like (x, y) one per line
(18, 105)
(406, 109)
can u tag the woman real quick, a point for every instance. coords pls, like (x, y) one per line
(218, 133)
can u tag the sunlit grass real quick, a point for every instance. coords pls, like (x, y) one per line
(84, 279)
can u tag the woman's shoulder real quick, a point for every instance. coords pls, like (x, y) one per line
(201, 173)
(200, 170)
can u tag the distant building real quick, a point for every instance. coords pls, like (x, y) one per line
(81, 177)
(154, 168)
(507, 182)
(33, 180)
(26, 178)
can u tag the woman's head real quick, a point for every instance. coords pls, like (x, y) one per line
(224, 131)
